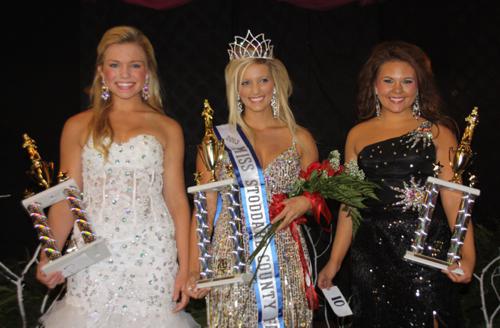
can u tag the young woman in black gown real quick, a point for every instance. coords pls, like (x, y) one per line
(401, 136)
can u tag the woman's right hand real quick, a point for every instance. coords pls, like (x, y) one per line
(326, 275)
(50, 280)
(191, 289)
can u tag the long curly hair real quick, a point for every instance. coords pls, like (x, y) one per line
(430, 99)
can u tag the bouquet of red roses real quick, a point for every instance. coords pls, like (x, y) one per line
(331, 180)
(322, 180)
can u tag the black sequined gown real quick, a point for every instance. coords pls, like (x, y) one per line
(388, 291)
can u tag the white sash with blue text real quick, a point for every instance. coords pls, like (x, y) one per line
(254, 202)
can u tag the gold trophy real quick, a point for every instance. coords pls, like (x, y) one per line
(211, 151)
(459, 162)
(463, 154)
(95, 249)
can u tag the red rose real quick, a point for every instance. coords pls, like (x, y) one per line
(325, 166)
(276, 205)
(315, 166)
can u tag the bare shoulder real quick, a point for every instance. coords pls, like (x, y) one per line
(76, 127)
(80, 120)
(304, 137)
(307, 148)
(360, 130)
(166, 128)
(443, 136)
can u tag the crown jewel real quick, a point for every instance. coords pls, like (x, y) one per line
(250, 47)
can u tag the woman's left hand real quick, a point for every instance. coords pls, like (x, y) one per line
(460, 278)
(179, 295)
(294, 208)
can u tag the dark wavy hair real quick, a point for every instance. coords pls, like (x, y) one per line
(430, 100)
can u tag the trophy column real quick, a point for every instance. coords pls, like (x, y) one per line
(463, 219)
(41, 225)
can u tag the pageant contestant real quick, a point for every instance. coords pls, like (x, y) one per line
(127, 157)
(275, 149)
(401, 137)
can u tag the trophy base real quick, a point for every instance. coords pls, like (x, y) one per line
(212, 186)
(430, 262)
(78, 260)
(222, 281)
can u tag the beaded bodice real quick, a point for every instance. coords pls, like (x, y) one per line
(282, 172)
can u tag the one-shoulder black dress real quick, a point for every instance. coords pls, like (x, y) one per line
(387, 290)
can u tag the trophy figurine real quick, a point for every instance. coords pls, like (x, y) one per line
(211, 151)
(95, 249)
(459, 162)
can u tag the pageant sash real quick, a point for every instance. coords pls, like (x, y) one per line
(254, 202)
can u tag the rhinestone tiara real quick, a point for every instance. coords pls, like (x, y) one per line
(250, 47)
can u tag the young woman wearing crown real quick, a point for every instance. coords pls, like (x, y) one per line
(272, 149)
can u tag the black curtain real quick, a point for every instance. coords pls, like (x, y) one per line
(49, 60)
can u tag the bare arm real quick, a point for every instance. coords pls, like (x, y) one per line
(343, 233)
(450, 199)
(174, 193)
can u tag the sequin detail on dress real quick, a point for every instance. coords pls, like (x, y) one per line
(422, 134)
(132, 288)
(235, 306)
(411, 195)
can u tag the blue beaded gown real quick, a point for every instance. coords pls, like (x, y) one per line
(387, 290)
(124, 201)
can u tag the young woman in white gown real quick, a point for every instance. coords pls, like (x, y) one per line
(127, 157)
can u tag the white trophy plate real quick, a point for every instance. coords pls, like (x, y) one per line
(222, 281)
(51, 195)
(212, 186)
(454, 186)
(78, 260)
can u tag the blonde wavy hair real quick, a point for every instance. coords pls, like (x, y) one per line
(99, 127)
(233, 74)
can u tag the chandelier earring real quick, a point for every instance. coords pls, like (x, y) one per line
(377, 105)
(240, 104)
(416, 107)
(275, 104)
(104, 91)
(145, 90)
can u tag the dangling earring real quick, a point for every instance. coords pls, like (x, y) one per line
(145, 90)
(104, 91)
(240, 105)
(377, 105)
(275, 105)
(416, 107)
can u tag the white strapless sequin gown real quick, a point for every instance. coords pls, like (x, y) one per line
(124, 201)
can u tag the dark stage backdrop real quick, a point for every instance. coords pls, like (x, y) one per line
(49, 62)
